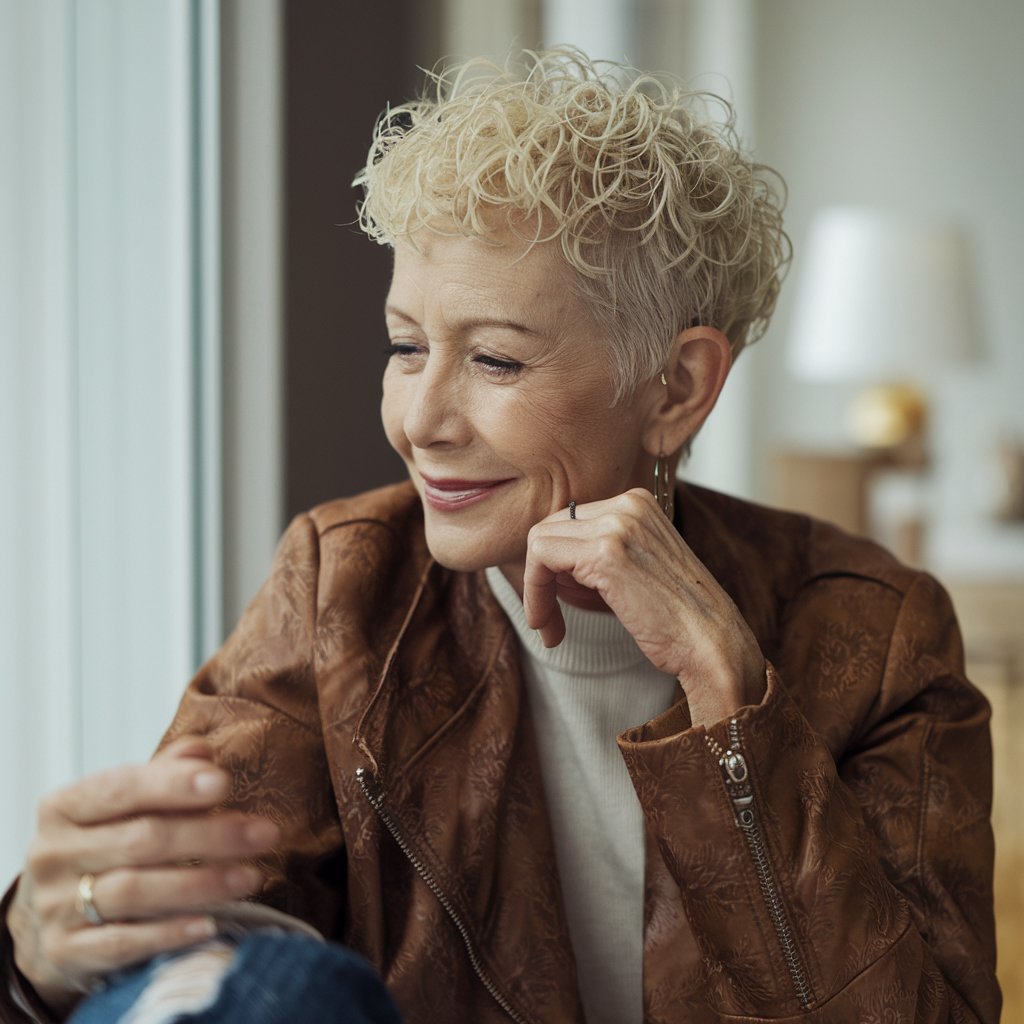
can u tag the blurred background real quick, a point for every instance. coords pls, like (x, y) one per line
(190, 328)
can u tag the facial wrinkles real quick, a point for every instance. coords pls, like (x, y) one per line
(511, 281)
(445, 311)
(560, 401)
(487, 304)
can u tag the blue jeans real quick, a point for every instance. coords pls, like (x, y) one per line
(274, 979)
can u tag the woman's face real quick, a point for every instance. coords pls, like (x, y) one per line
(498, 397)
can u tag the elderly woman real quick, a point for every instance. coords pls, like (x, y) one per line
(538, 733)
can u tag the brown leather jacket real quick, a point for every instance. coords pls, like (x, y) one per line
(825, 856)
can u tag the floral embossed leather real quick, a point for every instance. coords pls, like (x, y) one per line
(826, 856)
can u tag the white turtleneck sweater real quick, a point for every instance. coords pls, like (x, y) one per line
(582, 695)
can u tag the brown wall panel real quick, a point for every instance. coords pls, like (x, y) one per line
(343, 63)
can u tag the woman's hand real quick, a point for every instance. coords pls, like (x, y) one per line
(624, 553)
(159, 861)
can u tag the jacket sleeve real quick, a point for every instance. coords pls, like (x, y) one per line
(19, 1003)
(256, 701)
(832, 845)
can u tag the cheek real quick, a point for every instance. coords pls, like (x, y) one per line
(589, 449)
(391, 416)
(554, 433)
(572, 416)
(526, 426)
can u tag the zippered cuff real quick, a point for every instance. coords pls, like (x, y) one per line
(777, 871)
(736, 777)
(699, 790)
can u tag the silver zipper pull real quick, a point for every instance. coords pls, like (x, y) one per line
(735, 765)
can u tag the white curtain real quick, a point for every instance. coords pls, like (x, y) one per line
(38, 706)
(109, 384)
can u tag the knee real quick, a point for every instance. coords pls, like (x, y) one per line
(305, 979)
(264, 979)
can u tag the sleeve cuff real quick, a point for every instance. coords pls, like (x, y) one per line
(17, 993)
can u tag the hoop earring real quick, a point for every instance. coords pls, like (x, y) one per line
(664, 492)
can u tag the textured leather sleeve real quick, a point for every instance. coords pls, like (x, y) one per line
(859, 887)
(19, 1003)
(256, 701)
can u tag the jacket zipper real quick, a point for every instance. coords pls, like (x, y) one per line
(374, 793)
(736, 775)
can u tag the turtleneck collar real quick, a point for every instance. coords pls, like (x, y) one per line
(595, 644)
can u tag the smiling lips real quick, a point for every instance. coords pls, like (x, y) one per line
(451, 495)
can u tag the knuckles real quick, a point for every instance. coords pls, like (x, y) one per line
(638, 502)
(114, 788)
(611, 546)
(44, 859)
(119, 946)
(49, 809)
(122, 888)
(145, 840)
(55, 947)
(537, 534)
(49, 903)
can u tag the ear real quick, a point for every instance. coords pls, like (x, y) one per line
(695, 371)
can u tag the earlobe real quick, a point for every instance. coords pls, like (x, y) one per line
(695, 372)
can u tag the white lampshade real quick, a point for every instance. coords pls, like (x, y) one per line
(882, 298)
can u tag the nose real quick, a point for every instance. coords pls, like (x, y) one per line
(434, 414)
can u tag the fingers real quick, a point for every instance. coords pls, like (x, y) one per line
(153, 839)
(87, 953)
(623, 554)
(563, 553)
(144, 911)
(187, 746)
(620, 554)
(551, 562)
(636, 503)
(56, 862)
(540, 604)
(159, 857)
(126, 894)
(181, 778)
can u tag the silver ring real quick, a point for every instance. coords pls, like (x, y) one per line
(572, 509)
(84, 902)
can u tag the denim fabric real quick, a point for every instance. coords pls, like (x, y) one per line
(275, 979)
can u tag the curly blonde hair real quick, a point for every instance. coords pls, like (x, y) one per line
(666, 222)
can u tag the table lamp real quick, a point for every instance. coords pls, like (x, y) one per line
(885, 301)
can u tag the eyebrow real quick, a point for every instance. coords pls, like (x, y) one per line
(471, 323)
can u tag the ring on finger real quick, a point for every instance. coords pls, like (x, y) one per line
(572, 509)
(85, 904)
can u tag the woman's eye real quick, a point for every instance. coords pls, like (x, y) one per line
(499, 367)
(401, 348)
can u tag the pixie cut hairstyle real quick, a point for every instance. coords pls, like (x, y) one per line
(666, 223)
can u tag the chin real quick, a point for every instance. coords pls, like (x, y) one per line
(459, 561)
(469, 557)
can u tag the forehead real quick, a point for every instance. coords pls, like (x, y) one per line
(501, 276)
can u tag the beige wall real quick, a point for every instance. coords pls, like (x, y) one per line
(913, 105)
